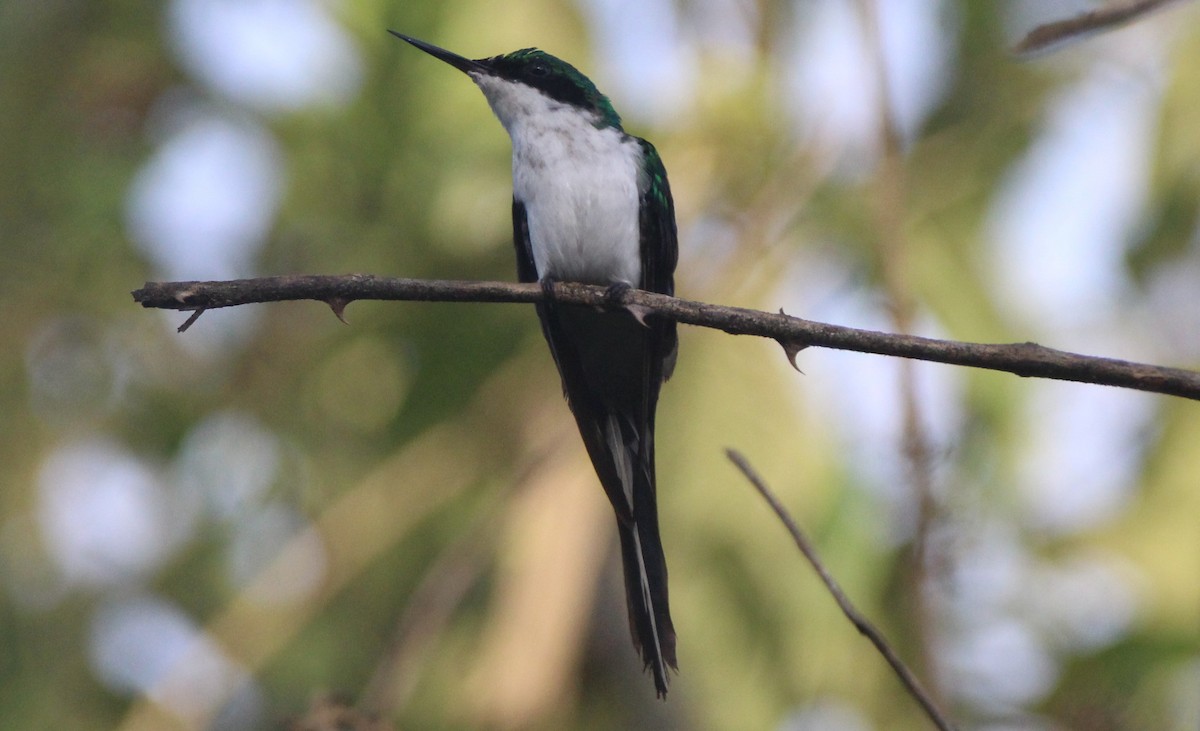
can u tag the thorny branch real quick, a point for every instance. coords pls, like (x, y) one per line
(793, 333)
(861, 623)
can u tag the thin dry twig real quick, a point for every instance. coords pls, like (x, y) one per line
(861, 623)
(1044, 37)
(793, 333)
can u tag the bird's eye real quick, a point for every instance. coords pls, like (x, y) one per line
(540, 69)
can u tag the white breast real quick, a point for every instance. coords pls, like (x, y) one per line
(579, 185)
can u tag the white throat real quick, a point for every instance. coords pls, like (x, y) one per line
(579, 185)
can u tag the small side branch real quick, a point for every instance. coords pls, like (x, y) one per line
(1046, 36)
(861, 623)
(1023, 359)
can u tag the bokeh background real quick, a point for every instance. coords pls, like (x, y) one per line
(212, 529)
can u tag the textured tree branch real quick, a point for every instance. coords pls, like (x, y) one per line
(1044, 37)
(1023, 359)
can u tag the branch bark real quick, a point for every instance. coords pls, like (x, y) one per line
(1028, 360)
(1044, 37)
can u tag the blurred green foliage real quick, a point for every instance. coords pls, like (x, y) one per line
(461, 575)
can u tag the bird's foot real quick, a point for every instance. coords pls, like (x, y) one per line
(547, 285)
(615, 293)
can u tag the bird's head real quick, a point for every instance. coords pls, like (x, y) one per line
(528, 82)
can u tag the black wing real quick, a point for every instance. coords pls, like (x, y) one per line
(660, 253)
(526, 269)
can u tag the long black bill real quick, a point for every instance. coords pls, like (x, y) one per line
(465, 65)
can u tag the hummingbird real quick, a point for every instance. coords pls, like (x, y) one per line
(591, 204)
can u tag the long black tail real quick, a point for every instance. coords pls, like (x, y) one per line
(646, 588)
(612, 367)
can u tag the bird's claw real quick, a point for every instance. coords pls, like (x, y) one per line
(615, 293)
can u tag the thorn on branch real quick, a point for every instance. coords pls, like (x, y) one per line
(617, 294)
(639, 313)
(792, 348)
(338, 305)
